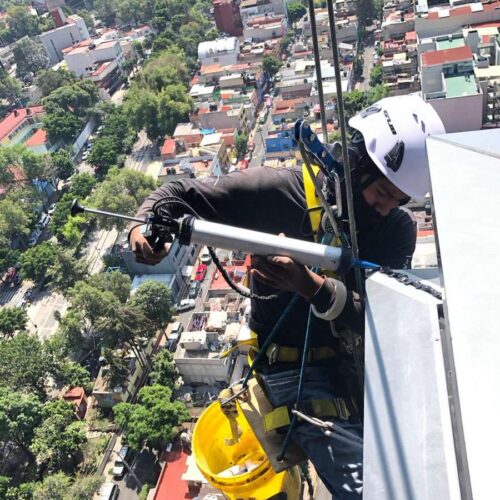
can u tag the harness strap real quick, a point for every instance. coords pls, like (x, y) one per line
(314, 207)
(320, 408)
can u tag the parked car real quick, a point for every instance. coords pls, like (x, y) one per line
(90, 145)
(205, 256)
(119, 467)
(33, 239)
(85, 155)
(44, 220)
(194, 288)
(51, 209)
(263, 116)
(201, 272)
(109, 491)
(185, 305)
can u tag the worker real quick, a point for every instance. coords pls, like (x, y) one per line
(389, 164)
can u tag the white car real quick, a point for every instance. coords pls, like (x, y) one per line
(185, 305)
(85, 155)
(51, 209)
(205, 256)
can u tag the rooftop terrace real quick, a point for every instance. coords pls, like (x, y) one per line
(450, 44)
(461, 85)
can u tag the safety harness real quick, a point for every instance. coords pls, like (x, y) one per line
(281, 417)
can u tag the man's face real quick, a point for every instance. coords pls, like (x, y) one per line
(382, 195)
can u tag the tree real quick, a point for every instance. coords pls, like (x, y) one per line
(61, 214)
(71, 373)
(30, 58)
(153, 421)
(106, 11)
(12, 319)
(296, 11)
(241, 144)
(68, 107)
(24, 364)
(117, 368)
(76, 98)
(126, 326)
(123, 191)
(87, 17)
(62, 163)
(131, 11)
(138, 48)
(61, 126)
(49, 80)
(8, 256)
(158, 112)
(271, 64)
(22, 22)
(168, 67)
(66, 270)
(10, 88)
(104, 154)
(84, 487)
(71, 330)
(25, 491)
(34, 164)
(376, 75)
(155, 300)
(14, 221)
(92, 301)
(4, 486)
(20, 415)
(37, 260)
(59, 438)
(54, 486)
(117, 283)
(164, 370)
(82, 185)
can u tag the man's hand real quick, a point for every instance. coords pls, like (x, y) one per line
(284, 274)
(142, 249)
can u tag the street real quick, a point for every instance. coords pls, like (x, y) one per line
(368, 53)
(145, 468)
(259, 134)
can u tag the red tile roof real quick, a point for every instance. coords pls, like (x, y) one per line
(456, 54)
(101, 68)
(18, 177)
(37, 139)
(75, 393)
(170, 486)
(12, 121)
(168, 147)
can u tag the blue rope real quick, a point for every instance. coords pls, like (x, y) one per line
(364, 264)
(274, 331)
(305, 353)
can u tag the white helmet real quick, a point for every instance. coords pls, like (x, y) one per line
(394, 131)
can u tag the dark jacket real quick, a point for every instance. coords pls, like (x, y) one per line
(273, 201)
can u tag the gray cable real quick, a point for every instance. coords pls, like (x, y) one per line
(345, 155)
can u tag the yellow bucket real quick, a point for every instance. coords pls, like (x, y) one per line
(241, 471)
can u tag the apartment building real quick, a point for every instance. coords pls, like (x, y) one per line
(261, 28)
(227, 17)
(63, 37)
(450, 85)
(222, 51)
(253, 8)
